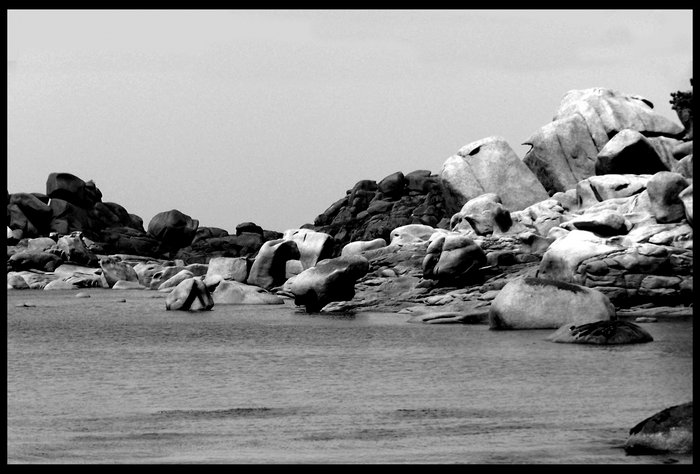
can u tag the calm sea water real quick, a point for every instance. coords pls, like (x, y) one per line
(100, 380)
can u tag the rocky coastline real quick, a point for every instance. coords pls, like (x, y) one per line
(593, 225)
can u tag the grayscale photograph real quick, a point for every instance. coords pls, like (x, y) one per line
(349, 237)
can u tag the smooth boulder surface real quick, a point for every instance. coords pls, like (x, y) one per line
(234, 292)
(230, 268)
(482, 214)
(536, 303)
(670, 430)
(270, 266)
(330, 280)
(489, 166)
(359, 246)
(602, 333)
(664, 189)
(188, 295)
(313, 246)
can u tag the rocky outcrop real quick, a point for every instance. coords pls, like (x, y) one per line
(330, 280)
(482, 215)
(371, 210)
(668, 431)
(602, 333)
(489, 166)
(564, 151)
(536, 303)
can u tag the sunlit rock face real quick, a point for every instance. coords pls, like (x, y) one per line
(489, 166)
(565, 151)
(535, 303)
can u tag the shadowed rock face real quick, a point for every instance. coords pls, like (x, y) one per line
(670, 430)
(602, 333)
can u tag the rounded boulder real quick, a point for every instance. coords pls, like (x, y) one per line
(539, 303)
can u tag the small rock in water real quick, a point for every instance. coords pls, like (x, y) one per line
(82, 295)
(645, 319)
(121, 301)
(25, 305)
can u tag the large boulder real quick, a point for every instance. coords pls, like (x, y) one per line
(563, 257)
(607, 112)
(235, 292)
(68, 187)
(668, 431)
(536, 303)
(113, 270)
(453, 258)
(359, 246)
(489, 166)
(596, 189)
(111, 214)
(602, 333)
(270, 266)
(229, 268)
(330, 280)
(482, 214)
(313, 246)
(188, 295)
(36, 211)
(68, 217)
(33, 259)
(564, 151)
(173, 228)
(164, 274)
(630, 152)
(664, 189)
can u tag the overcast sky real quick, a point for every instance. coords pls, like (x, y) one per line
(270, 116)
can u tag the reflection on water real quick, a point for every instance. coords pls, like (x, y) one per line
(99, 380)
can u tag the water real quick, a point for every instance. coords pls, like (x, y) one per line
(98, 380)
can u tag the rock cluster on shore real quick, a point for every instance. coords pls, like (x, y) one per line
(595, 221)
(603, 199)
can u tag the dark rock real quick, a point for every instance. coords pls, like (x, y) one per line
(249, 227)
(330, 280)
(33, 259)
(68, 187)
(629, 152)
(670, 430)
(602, 333)
(35, 210)
(173, 228)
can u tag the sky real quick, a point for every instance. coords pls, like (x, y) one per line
(270, 116)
